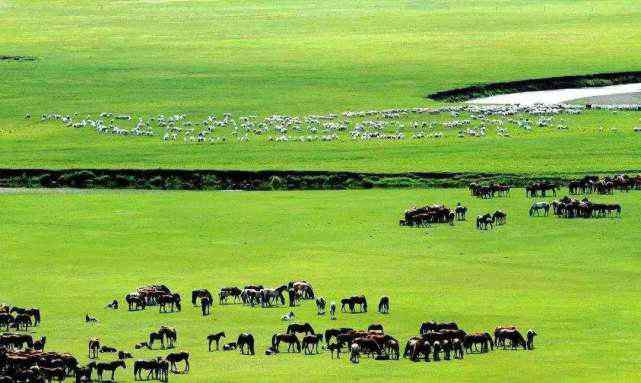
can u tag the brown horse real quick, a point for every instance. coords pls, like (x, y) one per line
(416, 347)
(300, 328)
(170, 334)
(172, 300)
(311, 342)
(476, 339)
(22, 320)
(434, 326)
(145, 365)
(514, 336)
(176, 357)
(291, 339)
(227, 292)
(135, 302)
(16, 340)
(32, 312)
(112, 366)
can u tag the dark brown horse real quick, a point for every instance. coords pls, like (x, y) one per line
(246, 340)
(353, 301)
(484, 340)
(435, 326)
(290, 339)
(112, 366)
(227, 292)
(171, 300)
(513, 335)
(177, 357)
(311, 342)
(135, 302)
(94, 348)
(334, 332)
(151, 366)
(32, 312)
(300, 328)
(200, 294)
(383, 305)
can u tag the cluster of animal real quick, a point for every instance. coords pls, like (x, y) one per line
(605, 185)
(489, 220)
(18, 317)
(447, 340)
(568, 207)
(489, 191)
(155, 295)
(372, 125)
(422, 216)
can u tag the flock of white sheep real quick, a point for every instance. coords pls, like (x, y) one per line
(372, 125)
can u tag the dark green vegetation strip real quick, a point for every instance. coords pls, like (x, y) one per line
(551, 83)
(179, 179)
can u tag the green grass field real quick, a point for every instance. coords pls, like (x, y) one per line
(574, 281)
(300, 57)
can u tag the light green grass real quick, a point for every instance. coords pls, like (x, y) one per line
(298, 57)
(574, 281)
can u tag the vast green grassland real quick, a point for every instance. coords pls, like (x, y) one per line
(300, 58)
(575, 281)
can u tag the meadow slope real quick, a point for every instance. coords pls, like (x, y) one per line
(293, 57)
(575, 281)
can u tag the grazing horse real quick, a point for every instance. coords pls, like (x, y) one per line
(353, 301)
(320, 306)
(530, 339)
(6, 320)
(514, 336)
(416, 347)
(145, 365)
(200, 293)
(124, 355)
(483, 221)
(538, 206)
(291, 339)
(16, 340)
(300, 328)
(497, 330)
(94, 347)
(270, 296)
(302, 288)
(354, 353)
(101, 367)
(176, 357)
(334, 347)
(460, 212)
(499, 217)
(39, 345)
(334, 332)
(135, 302)
(434, 326)
(170, 334)
(311, 342)
(226, 292)
(215, 338)
(51, 373)
(383, 305)
(22, 320)
(332, 310)
(368, 346)
(205, 306)
(32, 312)
(246, 339)
(392, 348)
(476, 339)
(165, 300)
(457, 348)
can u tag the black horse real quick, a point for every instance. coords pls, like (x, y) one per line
(215, 338)
(246, 340)
(300, 328)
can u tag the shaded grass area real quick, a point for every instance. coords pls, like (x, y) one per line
(574, 281)
(550, 83)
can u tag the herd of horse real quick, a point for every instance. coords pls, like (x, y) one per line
(23, 359)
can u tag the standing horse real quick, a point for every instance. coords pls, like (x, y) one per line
(291, 339)
(94, 348)
(483, 221)
(538, 206)
(112, 366)
(460, 212)
(246, 339)
(300, 328)
(135, 302)
(311, 342)
(226, 292)
(530, 339)
(383, 305)
(205, 306)
(320, 306)
(145, 365)
(23, 320)
(165, 300)
(499, 217)
(176, 357)
(35, 313)
(270, 296)
(170, 334)
(215, 337)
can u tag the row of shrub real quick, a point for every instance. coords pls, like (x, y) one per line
(233, 180)
(551, 83)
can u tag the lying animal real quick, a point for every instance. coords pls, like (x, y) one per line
(141, 345)
(229, 346)
(287, 317)
(124, 355)
(89, 319)
(107, 349)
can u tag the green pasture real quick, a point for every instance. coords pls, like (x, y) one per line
(255, 57)
(576, 282)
